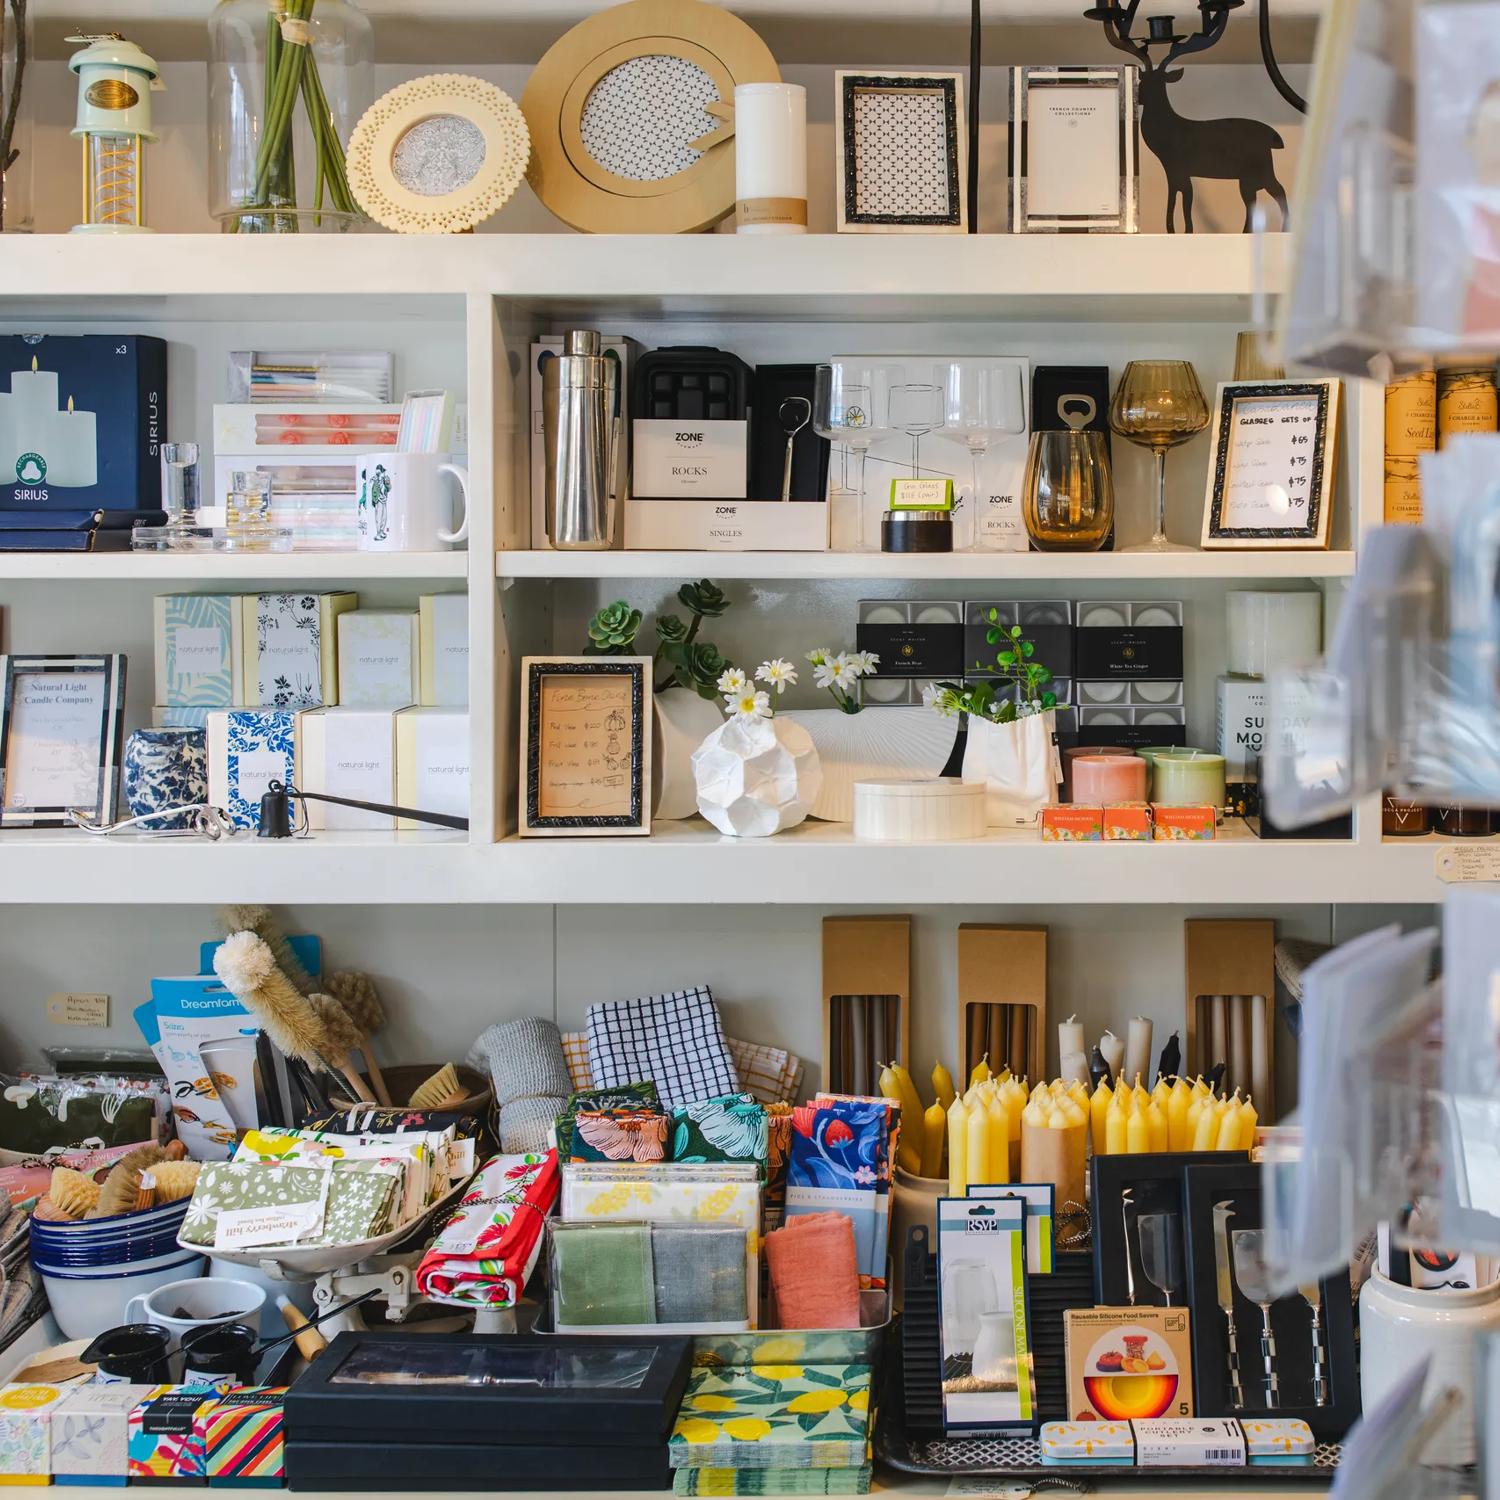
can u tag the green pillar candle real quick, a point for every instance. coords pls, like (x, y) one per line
(1188, 778)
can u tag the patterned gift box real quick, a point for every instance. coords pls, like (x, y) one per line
(1278, 1440)
(91, 1432)
(774, 1417)
(164, 1445)
(26, 1413)
(248, 748)
(243, 1439)
(379, 658)
(199, 650)
(291, 656)
(1107, 1444)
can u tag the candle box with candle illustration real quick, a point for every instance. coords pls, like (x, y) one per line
(1128, 1362)
(1127, 822)
(1072, 823)
(1176, 824)
(81, 421)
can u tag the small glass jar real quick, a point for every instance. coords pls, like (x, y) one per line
(1068, 492)
(1402, 820)
(247, 512)
(287, 82)
(1461, 821)
(18, 85)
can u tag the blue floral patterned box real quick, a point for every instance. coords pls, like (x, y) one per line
(248, 748)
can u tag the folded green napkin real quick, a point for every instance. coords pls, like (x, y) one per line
(602, 1273)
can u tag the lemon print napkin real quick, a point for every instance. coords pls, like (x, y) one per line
(774, 1417)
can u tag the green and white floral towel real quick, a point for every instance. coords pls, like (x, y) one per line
(357, 1198)
(774, 1417)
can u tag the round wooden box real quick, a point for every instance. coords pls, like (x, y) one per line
(904, 812)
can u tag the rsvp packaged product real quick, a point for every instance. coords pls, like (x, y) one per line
(1128, 1362)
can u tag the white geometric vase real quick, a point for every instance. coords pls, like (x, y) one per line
(757, 777)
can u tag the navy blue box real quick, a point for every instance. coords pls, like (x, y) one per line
(104, 453)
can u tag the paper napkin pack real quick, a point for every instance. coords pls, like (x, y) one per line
(379, 658)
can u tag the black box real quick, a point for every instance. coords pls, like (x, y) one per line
(691, 382)
(1128, 639)
(1046, 623)
(773, 385)
(82, 418)
(913, 637)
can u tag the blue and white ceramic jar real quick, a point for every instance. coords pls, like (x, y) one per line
(165, 768)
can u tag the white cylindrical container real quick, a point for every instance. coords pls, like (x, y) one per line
(1271, 630)
(905, 812)
(770, 158)
(1401, 1325)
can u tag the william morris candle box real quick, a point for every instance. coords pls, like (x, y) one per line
(26, 1431)
(379, 658)
(349, 752)
(432, 762)
(291, 648)
(199, 650)
(164, 1445)
(248, 749)
(82, 418)
(445, 650)
(91, 1431)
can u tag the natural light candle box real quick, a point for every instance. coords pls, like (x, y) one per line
(199, 649)
(432, 762)
(1127, 823)
(1176, 824)
(349, 752)
(26, 1413)
(291, 648)
(1073, 823)
(91, 1431)
(1089, 1444)
(445, 650)
(248, 749)
(379, 658)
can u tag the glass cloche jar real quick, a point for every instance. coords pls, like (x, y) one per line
(287, 83)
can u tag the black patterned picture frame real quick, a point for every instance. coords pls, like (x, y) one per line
(909, 178)
(99, 752)
(629, 743)
(1221, 530)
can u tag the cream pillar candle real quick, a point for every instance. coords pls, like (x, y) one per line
(1070, 1039)
(1075, 1068)
(770, 158)
(1260, 1049)
(1238, 1073)
(1218, 1029)
(1138, 1045)
(1113, 1050)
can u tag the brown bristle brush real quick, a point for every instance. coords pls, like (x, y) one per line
(361, 1002)
(342, 1038)
(258, 919)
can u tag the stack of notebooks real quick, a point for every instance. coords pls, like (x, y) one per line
(72, 530)
(774, 1429)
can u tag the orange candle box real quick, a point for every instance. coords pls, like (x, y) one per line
(1127, 822)
(1076, 823)
(1175, 824)
(1126, 1363)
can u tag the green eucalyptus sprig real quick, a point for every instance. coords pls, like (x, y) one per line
(1024, 678)
(680, 658)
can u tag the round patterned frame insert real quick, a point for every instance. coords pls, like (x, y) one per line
(490, 111)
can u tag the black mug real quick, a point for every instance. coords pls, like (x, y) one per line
(220, 1352)
(134, 1353)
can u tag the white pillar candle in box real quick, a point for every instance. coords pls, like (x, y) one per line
(445, 650)
(1268, 630)
(8, 450)
(379, 658)
(770, 158)
(33, 396)
(72, 449)
(432, 762)
(349, 752)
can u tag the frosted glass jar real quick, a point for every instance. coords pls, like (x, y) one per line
(287, 82)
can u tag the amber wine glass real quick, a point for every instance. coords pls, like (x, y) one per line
(1159, 404)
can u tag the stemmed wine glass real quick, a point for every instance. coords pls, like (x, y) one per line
(1254, 1278)
(917, 408)
(1159, 404)
(850, 408)
(1161, 1252)
(984, 401)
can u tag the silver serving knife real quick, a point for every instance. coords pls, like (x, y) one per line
(1224, 1277)
(1127, 1197)
(1312, 1294)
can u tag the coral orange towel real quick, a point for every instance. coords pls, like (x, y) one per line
(814, 1272)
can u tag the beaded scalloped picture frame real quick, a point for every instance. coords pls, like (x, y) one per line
(438, 155)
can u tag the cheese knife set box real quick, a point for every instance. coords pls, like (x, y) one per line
(381, 1411)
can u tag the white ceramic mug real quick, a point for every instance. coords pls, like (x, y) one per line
(184, 1305)
(403, 504)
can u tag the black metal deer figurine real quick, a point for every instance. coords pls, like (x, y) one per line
(1229, 149)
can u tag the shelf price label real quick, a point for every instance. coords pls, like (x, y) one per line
(1463, 864)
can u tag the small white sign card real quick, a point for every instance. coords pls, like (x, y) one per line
(61, 721)
(1270, 478)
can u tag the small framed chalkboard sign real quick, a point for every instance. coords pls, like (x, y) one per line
(585, 745)
(1270, 478)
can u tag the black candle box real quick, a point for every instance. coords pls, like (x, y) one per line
(1140, 640)
(118, 379)
(913, 637)
(1046, 623)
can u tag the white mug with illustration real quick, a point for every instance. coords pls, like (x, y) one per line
(404, 505)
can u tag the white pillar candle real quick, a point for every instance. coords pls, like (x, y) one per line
(1070, 1039)
(73, 452)
(7, 441)
(1074, 1068)
(1113, 1050)
(1138, 1051)
(1218, 1031)
(33, 403)
(1260, 1057)
(1239, 1042)
(770, 158)
(1269, 630)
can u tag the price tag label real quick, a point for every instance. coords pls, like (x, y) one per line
(921, 494)
(1459, 864)
(68, 1009)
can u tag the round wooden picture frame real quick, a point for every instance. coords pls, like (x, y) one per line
(581, 190)
(372, 148)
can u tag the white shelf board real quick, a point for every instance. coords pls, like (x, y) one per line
(687, 863)
(196, 568)
(819, 278)
(1039, 567)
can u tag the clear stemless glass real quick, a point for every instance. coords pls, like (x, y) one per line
(1161, 1248)
(850, 408)
(984, 401)
(1157, 405)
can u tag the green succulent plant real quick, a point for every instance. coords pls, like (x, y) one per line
(613, 630)
(680, 658)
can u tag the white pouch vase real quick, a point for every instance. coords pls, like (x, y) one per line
(757, 777)
(681, 722)
(1018, 764)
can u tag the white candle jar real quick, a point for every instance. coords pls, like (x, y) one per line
(770, 158)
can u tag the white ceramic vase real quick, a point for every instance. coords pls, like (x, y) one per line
(1018, 764)
(680, 723)
(1399, 1326)
(876, 744)
(756, 777)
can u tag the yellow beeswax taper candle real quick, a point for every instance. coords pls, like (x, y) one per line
(1206, 1131)
(1178, 1103)
(1228, 1135)
(980, 1072)
(934, 1128)
(942, 1086)
(1249, 1119)
(958, 1149)
(999, 1138)
(978, 1164)
(1138, 1133)
(1156, 1126)
(1098, 1114)
(896, 1084)
(1116, 1125)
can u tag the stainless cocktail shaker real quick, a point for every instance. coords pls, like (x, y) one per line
(583, 425)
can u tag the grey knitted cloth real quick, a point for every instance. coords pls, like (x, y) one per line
(526, 1065)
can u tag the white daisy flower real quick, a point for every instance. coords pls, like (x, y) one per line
(845, 672)
(818, 655)
(779, 674)
(732, 683)
(868, 661)
(751, 705)
(823, 674)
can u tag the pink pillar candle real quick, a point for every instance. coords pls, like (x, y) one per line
(1104, 779)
